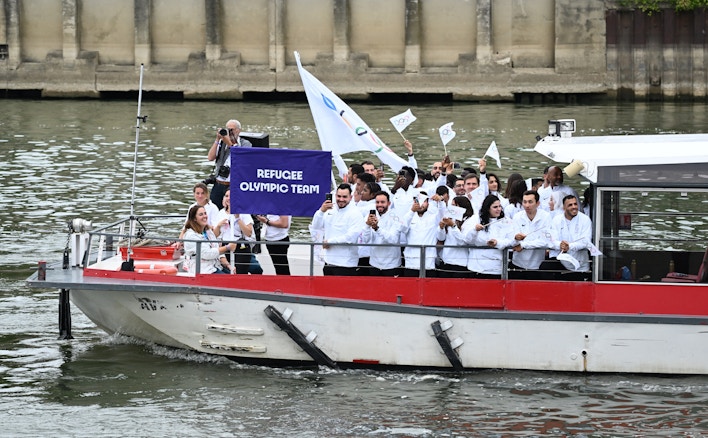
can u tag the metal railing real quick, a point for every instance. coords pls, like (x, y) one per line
(114, 235)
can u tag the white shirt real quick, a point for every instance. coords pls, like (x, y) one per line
(273, 233)
(340, 226)
(578, 233)
(421, 230)
(451, 253)
(511, 209)
(557, 193)
(487, 260)
(536, 241)
(388, 232)
(402, 200)
(364, 208)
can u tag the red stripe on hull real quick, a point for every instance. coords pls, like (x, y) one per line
(511, 295)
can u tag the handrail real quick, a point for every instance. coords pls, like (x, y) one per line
(105, 231)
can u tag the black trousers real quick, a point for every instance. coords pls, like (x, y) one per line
(338, 270)
(384, 272)
(453, 271)
(429, 273)
(279, 256)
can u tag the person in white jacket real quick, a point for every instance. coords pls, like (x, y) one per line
(342, 224)
(209, 250)
(383, 228)
(420, 229)
(491, 230)
(454, 254)
(572, 237)
(532, 228)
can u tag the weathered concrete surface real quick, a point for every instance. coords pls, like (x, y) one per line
(472, 50)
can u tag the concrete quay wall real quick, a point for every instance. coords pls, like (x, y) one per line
(486, 50)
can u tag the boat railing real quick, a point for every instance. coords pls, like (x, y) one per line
(134, 233)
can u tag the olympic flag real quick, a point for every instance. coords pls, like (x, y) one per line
(339, 128)
(401, 121)
(446, 133)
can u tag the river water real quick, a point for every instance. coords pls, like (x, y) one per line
(67, 159)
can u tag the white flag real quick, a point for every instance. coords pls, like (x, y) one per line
(565, 257)
(446, 133)
(341, 165)
(401, 121)
(493, 152)
(594, 251)
(339, 128)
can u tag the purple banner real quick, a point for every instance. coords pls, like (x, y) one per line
(279, 181)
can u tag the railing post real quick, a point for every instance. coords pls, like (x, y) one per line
(505, 264)
(421, 271)
(198, 261)
(312, 259)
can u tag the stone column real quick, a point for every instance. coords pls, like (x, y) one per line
(12, 9)
(580, 29)
(213, 29)
(412, 55)
(484, 31)
(71, 30)
(143, 45)
(340, 47)
(276, 32)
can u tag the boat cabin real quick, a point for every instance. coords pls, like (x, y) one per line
(649, 197)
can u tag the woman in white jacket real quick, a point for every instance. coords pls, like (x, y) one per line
(489, 230)
(454, 254)
(211, 253)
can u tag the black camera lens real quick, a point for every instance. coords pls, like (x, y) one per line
(223, 131)
(224, 171)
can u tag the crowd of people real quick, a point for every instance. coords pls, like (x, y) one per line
(450, 221)
(216, 233)
(452, 225)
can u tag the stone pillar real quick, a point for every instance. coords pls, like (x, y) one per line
(3, 23)
(698, 55)
(276, 31)
(580, 29)
(484, 31)
(213, 29)
(12, 9)
(412, 55)
(143, 44)
(71, 39)
(340, 47)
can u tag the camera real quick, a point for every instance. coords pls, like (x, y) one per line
(211, 179)
(224, 171)
(223, 132)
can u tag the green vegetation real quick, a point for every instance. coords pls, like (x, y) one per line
(650, 6)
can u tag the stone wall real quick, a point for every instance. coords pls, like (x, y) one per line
(488, 50)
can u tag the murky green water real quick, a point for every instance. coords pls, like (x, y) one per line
(67, 159)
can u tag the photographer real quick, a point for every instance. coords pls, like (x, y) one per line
(220, 153)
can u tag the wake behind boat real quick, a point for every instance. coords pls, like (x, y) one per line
(643, 311)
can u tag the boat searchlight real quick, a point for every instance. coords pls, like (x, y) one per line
(561, 128)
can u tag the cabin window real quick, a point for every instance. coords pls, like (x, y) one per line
(644, 233)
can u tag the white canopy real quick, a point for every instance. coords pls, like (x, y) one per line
(625, 150)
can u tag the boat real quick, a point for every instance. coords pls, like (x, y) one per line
(644, 308)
